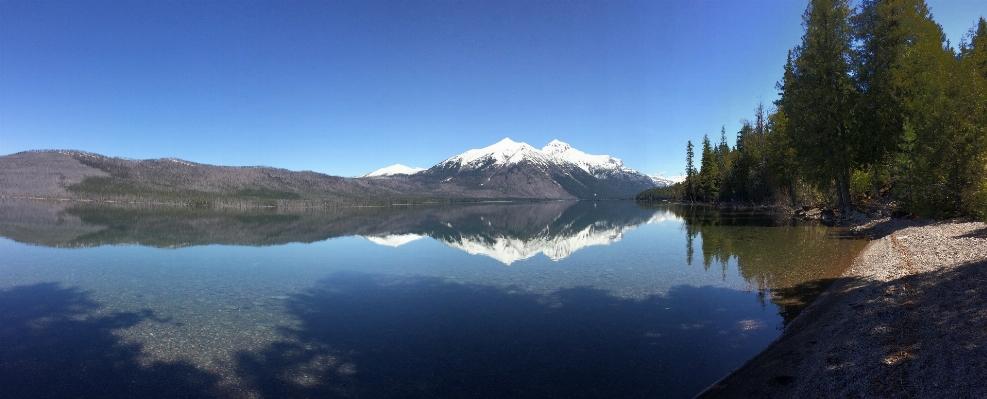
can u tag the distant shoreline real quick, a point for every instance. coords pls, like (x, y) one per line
(289, 204)
(907, 319)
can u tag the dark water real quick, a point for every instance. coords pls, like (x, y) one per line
(561, 299)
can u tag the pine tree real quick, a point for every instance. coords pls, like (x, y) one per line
(709, 173)
(879, 115)
(973, 101)
(924, 79)
(818, 96)
(690, 173)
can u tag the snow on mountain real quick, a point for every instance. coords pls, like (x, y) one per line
(556, 171)
(592, 164)
(394, 240)
(664, 216)
(508, 152)
(508, 250)
(396, 169)
(504, 152)
(663, 181)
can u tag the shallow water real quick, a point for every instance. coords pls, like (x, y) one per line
(560, 299)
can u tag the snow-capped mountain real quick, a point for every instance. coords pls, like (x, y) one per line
(596, 165)
(662, 181)
(396, 169)
(555, 171)
(509, 152)
(504, 152)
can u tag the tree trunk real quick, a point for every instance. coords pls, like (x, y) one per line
(844, 204)
(791, 193)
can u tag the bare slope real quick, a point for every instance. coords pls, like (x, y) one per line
(43, 174)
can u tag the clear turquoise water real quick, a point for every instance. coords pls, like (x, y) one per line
(513, 300)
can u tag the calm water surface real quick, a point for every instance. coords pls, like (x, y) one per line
(560, 299)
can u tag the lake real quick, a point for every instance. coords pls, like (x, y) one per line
(608, 299)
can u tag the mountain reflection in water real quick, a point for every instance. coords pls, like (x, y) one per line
(600, 299)
(788, 260)
(505, 232)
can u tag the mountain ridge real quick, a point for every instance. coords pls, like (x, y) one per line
(520, 167)
(506, 170)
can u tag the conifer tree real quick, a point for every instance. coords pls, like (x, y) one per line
(973, 73)
(709, 173)
(690, 173)
(818, 96)
(924, 79)
(879, 114)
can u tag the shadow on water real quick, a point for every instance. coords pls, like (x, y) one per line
(367, 336)
(55, 343)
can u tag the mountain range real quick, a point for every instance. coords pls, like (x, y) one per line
(506, 170)
(518, 168)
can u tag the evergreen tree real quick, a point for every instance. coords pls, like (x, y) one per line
(709, 173)
(690, 173)
(723, 160)
(780, 157)
(818, 96)
(972, 98)
(879, 115)
(740, 167)
(924, 79)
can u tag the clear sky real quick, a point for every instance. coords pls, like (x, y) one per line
(346, 87)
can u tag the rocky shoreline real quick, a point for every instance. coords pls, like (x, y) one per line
(907, 320)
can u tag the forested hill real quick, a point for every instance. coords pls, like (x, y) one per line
(877, 110)
(82, 175)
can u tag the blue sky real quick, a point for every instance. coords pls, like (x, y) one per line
(346, 87)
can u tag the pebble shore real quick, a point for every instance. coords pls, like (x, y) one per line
(907, 320)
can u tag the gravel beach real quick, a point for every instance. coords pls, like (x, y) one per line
(907, 320)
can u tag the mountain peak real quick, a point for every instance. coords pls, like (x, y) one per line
(547, 170)
(396, 169)
(556, 147)
(505, 151)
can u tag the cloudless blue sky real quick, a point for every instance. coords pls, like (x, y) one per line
(346, 87)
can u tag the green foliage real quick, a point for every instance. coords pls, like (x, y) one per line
(673, 192)
(104, 186)
(117, 189)
(709, 174)
(690, 173)
(875, 109)
(861, 185)
(818, 96)
(266, 193)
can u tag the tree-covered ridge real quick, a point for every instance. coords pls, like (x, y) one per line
(85, 176)
(77, 175)
(876, 108)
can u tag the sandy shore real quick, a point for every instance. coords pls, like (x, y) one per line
(907, 320)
